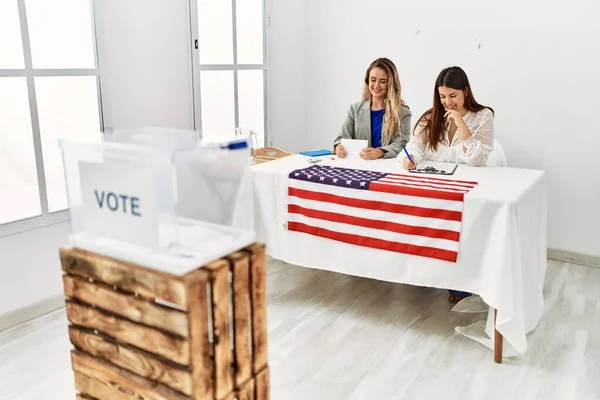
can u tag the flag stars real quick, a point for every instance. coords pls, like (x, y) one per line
(343, 177)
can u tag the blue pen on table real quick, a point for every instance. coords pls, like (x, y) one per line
(409, 157)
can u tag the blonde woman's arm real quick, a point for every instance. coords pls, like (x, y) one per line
(401, 137)
(348, 127)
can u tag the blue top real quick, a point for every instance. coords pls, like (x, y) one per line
(376, 125)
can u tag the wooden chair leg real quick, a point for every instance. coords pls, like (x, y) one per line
(498, 339)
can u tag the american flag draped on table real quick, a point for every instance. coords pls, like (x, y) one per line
(395, 212)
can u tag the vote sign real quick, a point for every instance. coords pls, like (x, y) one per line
(119, 202)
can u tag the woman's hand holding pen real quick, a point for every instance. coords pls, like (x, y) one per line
(407, 164)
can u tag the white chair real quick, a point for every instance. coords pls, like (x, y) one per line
(496, 158)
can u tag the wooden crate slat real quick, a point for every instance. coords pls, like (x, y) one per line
(134, 308)
(84, 397)
(133, 360)
(201, 363)
(219, 279)
(93, 388)
(246, 391)
(258, 281)
(262, 385)
(241, 316)
(127, 276)
(126, 381)
(152, 340)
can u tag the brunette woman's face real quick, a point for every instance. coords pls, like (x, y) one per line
(452, 99)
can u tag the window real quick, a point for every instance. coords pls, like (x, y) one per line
(230, 67)
(48, 91)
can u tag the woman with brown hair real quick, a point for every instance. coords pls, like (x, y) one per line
(381, 117)
(456, 129)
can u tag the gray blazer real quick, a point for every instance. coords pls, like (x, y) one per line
(358, 126)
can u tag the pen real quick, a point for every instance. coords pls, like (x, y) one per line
(409, 157)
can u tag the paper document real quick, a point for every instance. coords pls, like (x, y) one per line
(353, 147)
(435, 168)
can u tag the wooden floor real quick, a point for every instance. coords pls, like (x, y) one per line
(335, 337)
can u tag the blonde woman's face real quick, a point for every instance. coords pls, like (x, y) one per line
(378, 83)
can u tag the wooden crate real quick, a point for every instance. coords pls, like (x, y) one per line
(144, 334)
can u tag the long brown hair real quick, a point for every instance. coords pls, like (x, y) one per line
(393, 99)
(432, 120)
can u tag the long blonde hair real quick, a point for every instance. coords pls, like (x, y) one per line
(393, 99)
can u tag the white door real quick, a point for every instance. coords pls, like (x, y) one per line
(145, 57)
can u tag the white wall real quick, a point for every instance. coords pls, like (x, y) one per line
(286, 80)
(30, 266)
(145, 63)
(537, 66)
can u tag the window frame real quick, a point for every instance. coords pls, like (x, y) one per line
(29, 73)
(235, 67)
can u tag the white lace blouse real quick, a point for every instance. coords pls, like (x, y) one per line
(479, 145)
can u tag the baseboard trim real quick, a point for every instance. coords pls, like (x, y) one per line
(574, 258)
(24, 314)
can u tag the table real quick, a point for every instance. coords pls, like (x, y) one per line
(502, 253)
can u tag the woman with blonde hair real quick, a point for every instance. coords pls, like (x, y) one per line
(381, 117)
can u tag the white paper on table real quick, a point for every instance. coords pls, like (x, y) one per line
(353, 147)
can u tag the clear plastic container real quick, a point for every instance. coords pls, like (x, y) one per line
(173, 206)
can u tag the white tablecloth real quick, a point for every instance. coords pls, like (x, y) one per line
(502, 252)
